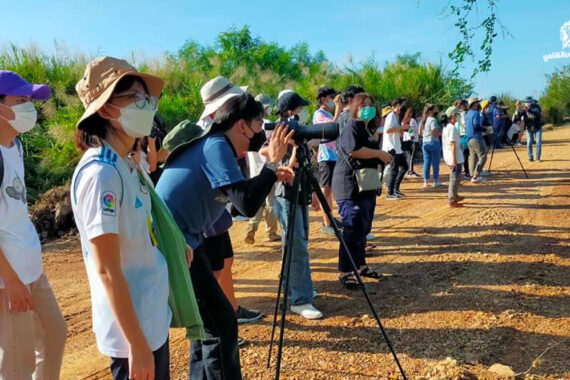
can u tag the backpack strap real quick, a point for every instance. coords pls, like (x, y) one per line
(19, 145)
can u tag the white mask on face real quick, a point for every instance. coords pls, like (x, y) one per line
(25, 117)
(136, 122)
(303, 116)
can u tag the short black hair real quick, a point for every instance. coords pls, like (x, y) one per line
(397, 101)
(323, 92)
(350, 92)
(237, 108)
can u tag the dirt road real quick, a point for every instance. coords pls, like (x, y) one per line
(488, 283)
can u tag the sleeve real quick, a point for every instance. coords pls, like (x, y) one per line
(248, 196)
(391, 122)
(350, 137)
(320, 117)
(220, 164)
(99, 190)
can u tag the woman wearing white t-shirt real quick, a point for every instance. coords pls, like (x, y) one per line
(431, 146)
(127, 274)
(391, 143)
(410, 141)
(452, 154)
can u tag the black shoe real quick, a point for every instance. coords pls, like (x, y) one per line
(247, 316)
(399, 193)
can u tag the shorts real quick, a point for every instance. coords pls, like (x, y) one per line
(326, 169)
(218, 248)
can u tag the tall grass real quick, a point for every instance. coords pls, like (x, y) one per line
(264, 67)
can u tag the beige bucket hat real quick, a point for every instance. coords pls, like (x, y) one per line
(100, 79)
(215, 93)
(472, 100)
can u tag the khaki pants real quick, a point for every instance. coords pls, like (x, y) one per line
(32, 342)
(477, 156)
(270, 218)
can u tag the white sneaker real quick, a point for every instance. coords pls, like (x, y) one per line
(478, 180)
(426, 185)
(307, 311)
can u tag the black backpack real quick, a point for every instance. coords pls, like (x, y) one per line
(19, 144)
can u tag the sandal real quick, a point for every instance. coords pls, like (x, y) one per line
(348, 280)
(370, 273)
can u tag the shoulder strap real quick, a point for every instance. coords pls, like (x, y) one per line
(19, 145)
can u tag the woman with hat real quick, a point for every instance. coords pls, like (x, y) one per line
(127, 274)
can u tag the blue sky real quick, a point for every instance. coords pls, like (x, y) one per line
(342, 29)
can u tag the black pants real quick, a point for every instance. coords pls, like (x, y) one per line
(398, 170)
(217, 356)
(120, 366)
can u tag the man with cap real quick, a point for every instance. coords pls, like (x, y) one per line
(453, 154)
(32, 328)
(327, 151)
(301, 292)
(477, 148)
(255, 162)
(532, 116)
(499, 123)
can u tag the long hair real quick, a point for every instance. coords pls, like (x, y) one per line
(429, 107)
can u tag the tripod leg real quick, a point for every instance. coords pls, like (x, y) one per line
(519, 160)
(339, 236)
(492, 154)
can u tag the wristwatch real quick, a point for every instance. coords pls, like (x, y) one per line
(271, 166)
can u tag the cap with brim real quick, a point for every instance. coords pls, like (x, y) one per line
(216, 92)
(100, 80)
(386, 110)
(471, 101)
(14, 85)
(283, 92)
(452, 111)
(290, 101)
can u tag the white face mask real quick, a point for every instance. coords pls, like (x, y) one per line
(303, 116)
(25, 117)
(135, 121)
(330, 104)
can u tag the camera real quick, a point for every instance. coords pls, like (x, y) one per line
(324, 131)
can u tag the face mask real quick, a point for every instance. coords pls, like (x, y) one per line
(367, 113)
(303, 116)
(256, 142)
(136, 122)
(25, 117)
(330, 104)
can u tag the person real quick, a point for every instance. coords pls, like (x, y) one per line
(301, 291)
(208, 166)
(410, 141)
(358, 148)
(499, 123)
(152, 145)
(461, 104)
(532, 116)
(452, 154)
(514, 133)
(487, 123)
(391, 143)
(345, 100)
(32, 328)
(475, 142)
(327, 154)
(431, 146)
(255, 163)
(127, 274)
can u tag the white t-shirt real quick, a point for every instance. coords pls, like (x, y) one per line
(18, 237)
(451, 133)
(412, 137)
(391, 141)
(429, 126)
(108, 198)
(512, 130)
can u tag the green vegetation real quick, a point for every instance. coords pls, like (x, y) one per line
(556, 99)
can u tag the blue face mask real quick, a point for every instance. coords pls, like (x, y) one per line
(367, 113)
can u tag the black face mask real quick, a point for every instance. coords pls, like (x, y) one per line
(435, 114)
(256, 142)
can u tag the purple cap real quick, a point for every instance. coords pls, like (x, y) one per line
(13, 84)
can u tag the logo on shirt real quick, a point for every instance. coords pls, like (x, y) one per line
(138, 203)
(109, 203)
(565, 38)
(17, 191)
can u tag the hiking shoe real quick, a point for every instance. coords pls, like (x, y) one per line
(249, 239)
(247, 316)
(307, 311)
(393, 197)
(241, 341)
(327, 230)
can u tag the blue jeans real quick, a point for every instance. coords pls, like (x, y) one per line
(300, 282)
(432, 156)
(356, 216)
(534, 137)
(120, 366)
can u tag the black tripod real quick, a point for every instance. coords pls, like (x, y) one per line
(303, 177)
(514, 151)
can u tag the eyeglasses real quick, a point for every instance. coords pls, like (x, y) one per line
(141, 100)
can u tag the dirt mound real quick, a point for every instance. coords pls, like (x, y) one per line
(52, 214)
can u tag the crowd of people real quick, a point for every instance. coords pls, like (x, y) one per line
(205, 174)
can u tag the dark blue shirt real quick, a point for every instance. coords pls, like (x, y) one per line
(191, 185)
(499, 123)
(473, 125)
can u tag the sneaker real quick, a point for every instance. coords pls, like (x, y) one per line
(518, 144)
(484, 173)
(437, 184)
(426, 185)
(478, 180)
(393, 197)
(247, 316)
(370, 237)
(327, 230)
(249, 239)
(455, 204)
(399, 193)
(531, 159)
(538, 160)
(272, 238)
(414, 175)
(467, 175)
(241, 341)
(307, 311)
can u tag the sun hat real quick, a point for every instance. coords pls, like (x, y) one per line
(100, 79)
(13, 84)
(452, 111)
(386, 110)
(265, 99)
(529, 99)
(290, 101)
(323, 92)
(484, 103)
(215, 93)
(472, 100)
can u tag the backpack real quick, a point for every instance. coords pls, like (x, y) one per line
(19, 145)
(181, 136)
